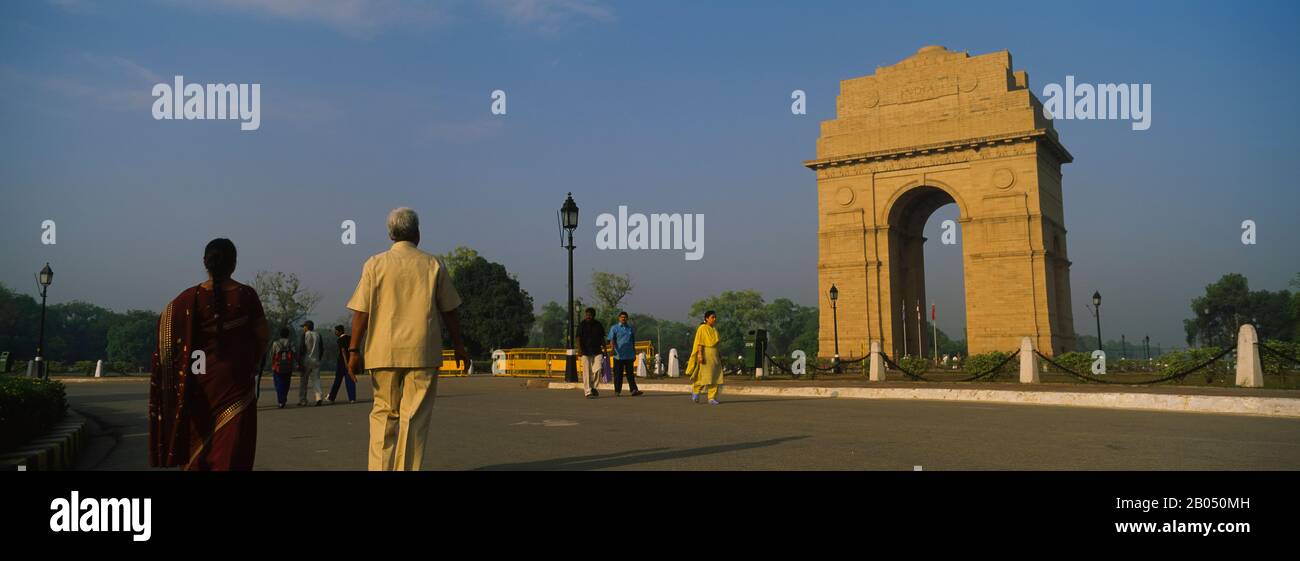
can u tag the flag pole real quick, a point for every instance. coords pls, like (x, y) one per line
(934, 324)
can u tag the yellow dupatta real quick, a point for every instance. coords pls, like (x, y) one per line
(705, 335)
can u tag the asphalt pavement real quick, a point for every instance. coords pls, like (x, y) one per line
(485, 423)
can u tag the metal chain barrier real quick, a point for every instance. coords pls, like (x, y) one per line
(778, 364)
(971, 378)
(1174, 376)
(889, 362)
(1004, 362)
(1279, 354)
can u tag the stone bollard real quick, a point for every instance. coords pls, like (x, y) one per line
(99, 368)
(877, 363)
(674, 366)
(29, 369)
(1028, 362)
(1250, 373)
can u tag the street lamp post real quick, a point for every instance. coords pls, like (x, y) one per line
(569, 223)
(1096, 313)
(1146, 344)
(43, 278)
(835, 326)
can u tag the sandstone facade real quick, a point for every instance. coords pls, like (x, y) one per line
(942, 127)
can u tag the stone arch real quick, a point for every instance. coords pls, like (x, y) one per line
(953, 194)
(938, 127)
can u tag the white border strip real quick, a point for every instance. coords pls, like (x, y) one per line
(1217, 404)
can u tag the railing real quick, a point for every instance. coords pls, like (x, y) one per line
(549, 363)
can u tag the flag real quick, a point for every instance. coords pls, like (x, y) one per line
(933, 317)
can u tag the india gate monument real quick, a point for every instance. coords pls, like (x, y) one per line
(942, 127)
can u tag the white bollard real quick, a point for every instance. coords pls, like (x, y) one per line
(498, 362)
(29, 369)
(1028, 362)
(640, 365)
(1250, 372)
(674, 367)
(99, 368)
(877, 363)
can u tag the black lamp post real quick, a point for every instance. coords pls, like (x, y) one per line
(835, 326)
(43, 278)
(569, 223)
(1096, 313)
(1146, 344)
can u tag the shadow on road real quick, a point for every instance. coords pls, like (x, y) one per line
(632, 457)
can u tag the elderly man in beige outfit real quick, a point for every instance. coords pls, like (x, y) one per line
(401, 302)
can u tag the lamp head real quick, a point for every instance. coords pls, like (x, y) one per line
(569, 214)
(46, 276)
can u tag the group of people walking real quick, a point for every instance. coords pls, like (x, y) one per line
(704, 367)
(305, 356)
(591, 353)
(213, 339)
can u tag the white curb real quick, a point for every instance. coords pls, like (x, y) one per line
(1218, 404)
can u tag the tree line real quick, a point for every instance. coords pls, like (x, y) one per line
(498, 313)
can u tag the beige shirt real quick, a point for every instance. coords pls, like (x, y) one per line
(404, 290)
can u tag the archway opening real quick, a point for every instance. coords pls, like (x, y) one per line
(927, 277)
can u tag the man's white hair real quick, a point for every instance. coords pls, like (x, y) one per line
(403, 225)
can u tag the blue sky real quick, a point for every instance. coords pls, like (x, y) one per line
(660, 106)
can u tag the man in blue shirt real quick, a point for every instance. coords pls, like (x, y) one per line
(623, 337)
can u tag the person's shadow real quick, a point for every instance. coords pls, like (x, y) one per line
(631, 457)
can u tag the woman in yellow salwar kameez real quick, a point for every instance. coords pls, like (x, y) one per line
(704, 367)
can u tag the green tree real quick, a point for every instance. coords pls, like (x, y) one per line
(738, 312)
(458, 258)
(1295, 307)
(609, 290)
(1229, 302)
(495, 312)
(77, 331)
(551, 328)
(787, 322)
(284, 299)
(19, 315)
(133, 338)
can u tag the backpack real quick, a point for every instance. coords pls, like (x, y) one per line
(282, 361)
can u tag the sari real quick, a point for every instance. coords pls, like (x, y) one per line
(709, 373)
(205, 419)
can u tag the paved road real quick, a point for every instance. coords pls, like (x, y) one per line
(487, 423)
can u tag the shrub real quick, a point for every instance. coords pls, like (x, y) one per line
(914, 364)
(1178, 361)
(1077, 361)
(86, 367)
(980, 363)
(1275, 365)
(28, 408)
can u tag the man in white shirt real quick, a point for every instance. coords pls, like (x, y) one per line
(311, 353)
(402, 301)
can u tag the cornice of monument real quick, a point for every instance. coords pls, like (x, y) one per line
(1044, 136)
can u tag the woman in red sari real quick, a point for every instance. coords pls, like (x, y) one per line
(211, 340)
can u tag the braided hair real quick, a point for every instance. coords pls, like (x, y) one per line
(219, 260)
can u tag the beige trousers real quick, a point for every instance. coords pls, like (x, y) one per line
(590, 372)
(400, 417)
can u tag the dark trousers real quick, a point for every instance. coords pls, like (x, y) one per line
(621, 366)
(282, 387)
(341, 375)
